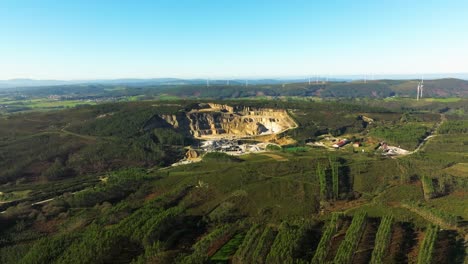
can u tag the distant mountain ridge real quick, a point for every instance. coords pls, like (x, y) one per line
(13, 83)
(31, 83)
(222, 89)
(25, 82)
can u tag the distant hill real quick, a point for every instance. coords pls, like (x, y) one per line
(401, 88)
(30, 83)
(432, 88)
(222, 89)
(14, 83)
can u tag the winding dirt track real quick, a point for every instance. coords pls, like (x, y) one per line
(433, 133)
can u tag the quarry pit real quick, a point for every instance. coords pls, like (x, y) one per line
(209, 121)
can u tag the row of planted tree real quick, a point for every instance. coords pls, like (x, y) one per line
(148, 233)
(329, 174)
(285, 243)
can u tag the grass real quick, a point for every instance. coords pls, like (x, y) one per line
(15, 195)
(46, 104)
(399, 193)
(453, 204)
(225, 252)
(458, 170)
(399, 214)
(443, 100)
(167, 97)
(295, 149)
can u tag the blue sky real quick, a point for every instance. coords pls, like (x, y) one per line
(83, 39)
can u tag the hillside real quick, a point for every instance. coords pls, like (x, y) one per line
(94, 184)
(62, 96)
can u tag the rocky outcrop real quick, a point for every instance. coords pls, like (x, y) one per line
(171, 120)
(191, 154)
(367, 119)
(221, 107)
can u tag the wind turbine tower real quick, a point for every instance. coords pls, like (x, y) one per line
(419, 92)
(421, 87)
(207, 82)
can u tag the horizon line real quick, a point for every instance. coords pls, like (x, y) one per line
(395, 76)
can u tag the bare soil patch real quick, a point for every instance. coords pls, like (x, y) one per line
(414, 252)
(402, 241)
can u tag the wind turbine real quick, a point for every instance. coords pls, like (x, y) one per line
(207, 82)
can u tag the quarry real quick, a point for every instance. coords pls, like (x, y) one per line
(225, 128)
(209, 121)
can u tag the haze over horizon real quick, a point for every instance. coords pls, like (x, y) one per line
(89, 40)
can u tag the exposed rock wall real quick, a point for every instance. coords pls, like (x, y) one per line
(209, 121)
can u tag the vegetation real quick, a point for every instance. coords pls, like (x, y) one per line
(223, 254)
(287, 243)
(200, 249)
(428, 187)
(427, 246)
(407, 136)
(335, 177)
(263, 246)
(434, 215)
(454, 127)
(323, 181)
(220, 157)
(93, 184)
(353, 235)
(382, 240)
(325, 240)
(244, 252)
